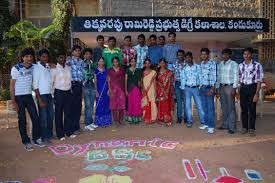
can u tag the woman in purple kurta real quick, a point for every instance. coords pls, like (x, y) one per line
(116, 79)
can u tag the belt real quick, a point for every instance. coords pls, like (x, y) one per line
(192, 86)
(76, 82)
(226, 84)
(247, 85)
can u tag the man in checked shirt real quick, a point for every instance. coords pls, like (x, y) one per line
(250, 76)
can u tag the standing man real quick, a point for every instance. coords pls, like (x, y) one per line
(154, 51)
(42, 85)
(109, 53)
(97, 51)
(161, 41)
(89, 88)
(250, 76)
(127, 52)
(227, 83)
(176, 69)
(141, 50)
(208, 80)
(62, 78)
(190, 83)
(21, 96)
(170, 50)
(77, 71)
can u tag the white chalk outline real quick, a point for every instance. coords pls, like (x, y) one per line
(247, 171)
(197, 161)
(186, 171)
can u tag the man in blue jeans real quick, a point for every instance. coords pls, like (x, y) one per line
(42, 84)
(179, 93)
(21, 96)
(190, 83)
(208, 81)
(89, 89)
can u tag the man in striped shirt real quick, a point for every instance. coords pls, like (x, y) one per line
(227, 82)
(250, 76)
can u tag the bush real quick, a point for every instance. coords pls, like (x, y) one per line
(5, 94)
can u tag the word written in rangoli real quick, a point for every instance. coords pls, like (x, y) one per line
(125, 154)
(11, 181)
(82, 149)
(45, 180)
(99, 178)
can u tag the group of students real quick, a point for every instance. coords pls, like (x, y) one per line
(131, 84)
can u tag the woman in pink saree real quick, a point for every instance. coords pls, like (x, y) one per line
(116, 79)
(132, 90)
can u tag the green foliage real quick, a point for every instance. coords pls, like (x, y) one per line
(4, 94)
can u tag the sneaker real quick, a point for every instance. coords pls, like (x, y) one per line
(39, 143)
(244, 131)
(77, 132)
(210, 130)
(72, 136)
(252, 133)
(62, 139)
(189, 125)
(28, 147)
(203, 127)
(230, 131)
(89, 128)
(93, 126)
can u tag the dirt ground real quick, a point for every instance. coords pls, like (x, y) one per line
(233, 152)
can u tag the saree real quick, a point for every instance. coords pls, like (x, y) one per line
(103, 115)
(134, 111)
(165, 91)
(148, 102)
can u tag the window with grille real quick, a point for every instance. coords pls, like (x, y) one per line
(38, 8)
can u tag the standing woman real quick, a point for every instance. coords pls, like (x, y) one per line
(148, 87)
(103, 115)
(116, 85)
(165, 93)
(132, 90)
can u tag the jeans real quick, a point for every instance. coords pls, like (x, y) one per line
(89, 98)
(46, 117)
(180, 99)
(208, 107)
(189, 93)
(62, 105)
(248, 107)
(23, 102)
(76, 105)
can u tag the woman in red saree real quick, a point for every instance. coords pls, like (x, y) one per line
(164, 87)
(116, 79)
(148, 87)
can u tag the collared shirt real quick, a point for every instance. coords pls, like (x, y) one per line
(170, 52)
(61, 77)
(190, 75)
(77, 68)
(227, 73)
(177, 68)
(89, 70)
(108, 54)
(23, 79)
(97, 53)
(250, 73)
(208, 73)
(42, 79)
(142, 53)
(155, 54)
(127, 54)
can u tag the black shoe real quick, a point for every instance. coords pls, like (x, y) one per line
(179, 120)
(189, 125)
(252, 133)
(231, 132)
(222, 128)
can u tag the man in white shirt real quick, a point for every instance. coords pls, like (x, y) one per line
(141, 50)
(21, 96)
(42, 86)
(61, 82)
